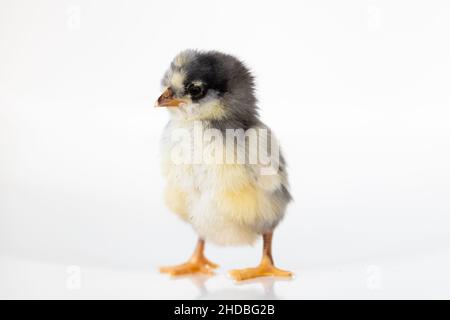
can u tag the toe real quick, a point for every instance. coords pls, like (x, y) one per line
(210, 264)
(170, 269)
(243, 274)
(262, 271)
(281, 273)
(187, 268)
(235, 274)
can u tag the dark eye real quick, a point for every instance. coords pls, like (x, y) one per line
(194, 90)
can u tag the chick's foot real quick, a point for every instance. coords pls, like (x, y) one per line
(265, 269)
(198, 263)
(194, 265)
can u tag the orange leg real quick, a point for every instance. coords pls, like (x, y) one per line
(266, 267)
(196, 264)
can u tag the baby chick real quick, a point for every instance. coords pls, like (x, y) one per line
(227, 202)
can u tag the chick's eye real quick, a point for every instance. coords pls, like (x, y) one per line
(194, 90)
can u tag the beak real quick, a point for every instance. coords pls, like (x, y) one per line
(167, 100)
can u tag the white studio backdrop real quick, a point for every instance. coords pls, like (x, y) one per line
(357, 92)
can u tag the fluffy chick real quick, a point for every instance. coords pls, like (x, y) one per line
(226, 202)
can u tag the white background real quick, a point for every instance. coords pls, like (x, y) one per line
(357, 92)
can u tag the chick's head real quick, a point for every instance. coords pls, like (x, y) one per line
(210, 86)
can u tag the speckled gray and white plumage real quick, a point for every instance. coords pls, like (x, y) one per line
(225, 204)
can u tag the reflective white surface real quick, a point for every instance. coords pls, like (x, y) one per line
(417, 277)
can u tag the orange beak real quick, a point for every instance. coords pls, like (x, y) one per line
(167, 100)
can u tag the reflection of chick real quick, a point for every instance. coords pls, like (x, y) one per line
(228, 203)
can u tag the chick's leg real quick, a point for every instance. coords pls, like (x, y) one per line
(196, 264)
(266, 267)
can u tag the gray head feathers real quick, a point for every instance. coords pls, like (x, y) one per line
(206, 76)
